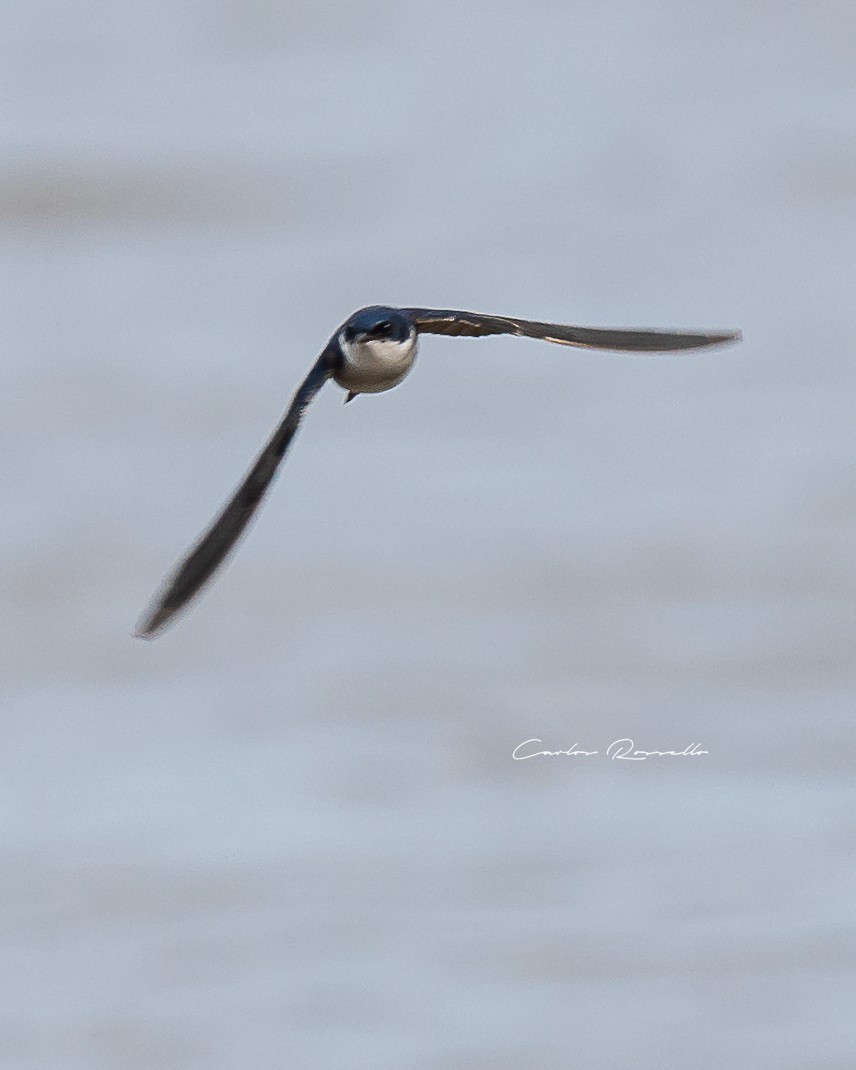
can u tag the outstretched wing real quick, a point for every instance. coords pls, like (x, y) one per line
(201, 563)
(474, 325)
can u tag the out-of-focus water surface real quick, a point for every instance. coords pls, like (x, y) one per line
(290, 832)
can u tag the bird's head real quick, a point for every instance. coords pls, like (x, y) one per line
(377, 323)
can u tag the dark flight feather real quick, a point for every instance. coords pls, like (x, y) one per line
(214, 546)
(476, 325)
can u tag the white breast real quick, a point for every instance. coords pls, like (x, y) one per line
(376, 364)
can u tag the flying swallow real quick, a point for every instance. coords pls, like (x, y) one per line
(371, 352)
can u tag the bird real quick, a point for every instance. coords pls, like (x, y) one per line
(372, 351)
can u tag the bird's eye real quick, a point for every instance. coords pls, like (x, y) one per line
(383, 328)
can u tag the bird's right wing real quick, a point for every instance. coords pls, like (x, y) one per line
(477, 324)
(211, 550)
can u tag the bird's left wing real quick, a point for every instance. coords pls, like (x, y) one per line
(476, 324)
(211, 550)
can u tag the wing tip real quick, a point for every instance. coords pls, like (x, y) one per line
(696, 341)
(725, 337)
(153, 623)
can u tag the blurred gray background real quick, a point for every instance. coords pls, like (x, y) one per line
(290, 832)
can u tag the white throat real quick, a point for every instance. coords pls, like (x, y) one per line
(378, 352)
(375, 364)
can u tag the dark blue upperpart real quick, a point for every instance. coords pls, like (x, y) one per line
(378, 321)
